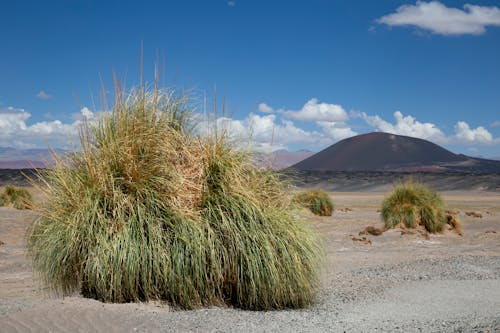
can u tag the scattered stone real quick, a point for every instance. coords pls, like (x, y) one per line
(362, 240)
(407, 232)
(490, 232)
(372, 231)
(474, 214)
(420, 231)
(345, 210)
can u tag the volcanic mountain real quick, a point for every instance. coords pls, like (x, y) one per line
(388, 152)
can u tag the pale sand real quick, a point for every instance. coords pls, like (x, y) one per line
(398, 283)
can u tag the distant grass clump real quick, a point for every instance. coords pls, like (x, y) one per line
(412, 205)
(318, 202)
(16, 197)
(149, 211)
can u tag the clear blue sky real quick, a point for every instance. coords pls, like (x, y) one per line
(315, 71)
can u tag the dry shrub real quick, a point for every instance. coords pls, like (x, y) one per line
(318, 202)
(149, 211)
(412, 205)
(454, 223)
(16, 197)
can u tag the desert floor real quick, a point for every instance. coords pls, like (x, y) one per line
(403, 283)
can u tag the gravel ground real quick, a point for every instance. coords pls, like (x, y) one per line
(397, 283)
(406, 297)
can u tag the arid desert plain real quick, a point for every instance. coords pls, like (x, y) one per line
(395, 282)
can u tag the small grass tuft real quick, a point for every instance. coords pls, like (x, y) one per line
(413, 204)
(17, 197)
(318, 202)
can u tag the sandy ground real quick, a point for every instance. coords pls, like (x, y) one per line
(404, 283)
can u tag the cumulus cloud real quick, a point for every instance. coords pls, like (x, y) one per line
(409, 126)
(328, 119)
(86, 113)
(43, 95)
(479, 135)
(336, 131)
(265, 132)
(16, 132)
(405, 125)
(263, 107)
(439, 19)
(495, 124)
(314, 111)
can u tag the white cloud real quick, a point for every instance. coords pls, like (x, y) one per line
(263, 107)
(86, 113)
(43, 95)
(231, 3)
(330, 121)
(439, 19)
(464, 134)
(336, 131)
(405, 125)
(266, 133)
(16, 132)
(409, 126)
(288, 133)
(495, 124)
(314, 111)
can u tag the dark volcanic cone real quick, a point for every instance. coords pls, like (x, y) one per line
(382, 152)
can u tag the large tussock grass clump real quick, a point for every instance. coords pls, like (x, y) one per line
(318, 202)
(16, 197)
(148, 211)
(412, 205)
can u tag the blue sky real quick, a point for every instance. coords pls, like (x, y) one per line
(311, 72)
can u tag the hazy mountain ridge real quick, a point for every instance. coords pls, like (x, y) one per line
(282, 158)
(15, 158)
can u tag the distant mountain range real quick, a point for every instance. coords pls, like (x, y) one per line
(281, 159)
(14, 158)
(388, 152)
(367, 152)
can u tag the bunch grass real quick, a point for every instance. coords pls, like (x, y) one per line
(413, 204)
(17, 197)
(318, 202)
(149, 211)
